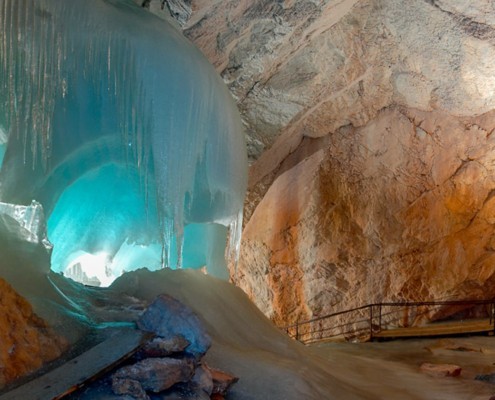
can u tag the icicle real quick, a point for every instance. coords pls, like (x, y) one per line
(234, 245)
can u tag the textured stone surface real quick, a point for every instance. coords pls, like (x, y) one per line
(306, 68)
(202, 380)
(26, 341)
(441, 369)
(129, 387)
(161, 347)
(177, 12)
(400, 209)
(222, 381)
(154, 374)
(168, 317)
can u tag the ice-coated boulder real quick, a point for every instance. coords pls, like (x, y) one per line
(168, 317)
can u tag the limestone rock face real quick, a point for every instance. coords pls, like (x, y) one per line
(306, 68)
(400, 209)
(370, 130)
(26, 341)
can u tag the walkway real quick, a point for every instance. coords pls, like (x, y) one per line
(399, 320)
(438, 329)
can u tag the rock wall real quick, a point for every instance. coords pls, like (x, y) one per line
(369, 126)
(400, 209)
(26, 341)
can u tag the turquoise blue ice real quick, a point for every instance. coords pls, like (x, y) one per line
(124, 133)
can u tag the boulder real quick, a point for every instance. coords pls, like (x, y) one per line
(161, 347)
(156, 374)
(441, 369)
(129, 387)
(202, 380)
(380, 217)
(26, 340)
(168, 317)
(222, 381)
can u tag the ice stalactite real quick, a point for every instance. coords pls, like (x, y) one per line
(124, 133)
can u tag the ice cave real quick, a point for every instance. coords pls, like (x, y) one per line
(124, 134)
(371, 185)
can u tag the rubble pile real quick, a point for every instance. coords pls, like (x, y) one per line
(170, 366)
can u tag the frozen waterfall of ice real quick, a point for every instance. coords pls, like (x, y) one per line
(124, 133)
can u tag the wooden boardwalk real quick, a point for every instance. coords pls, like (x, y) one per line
(88, 366)
(370, 321)
(438, 329)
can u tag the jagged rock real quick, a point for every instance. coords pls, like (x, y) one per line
(202, 380)
(156, 374)
(206, 382)
(161, 347)
(222, 381)
(168, 317)
(179, 9)
(26, 341)
(129, 387)
(307, 68)
(441, 369)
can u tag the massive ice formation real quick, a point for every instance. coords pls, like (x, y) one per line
(123, 132)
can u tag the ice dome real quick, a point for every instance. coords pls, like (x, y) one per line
(124, 133)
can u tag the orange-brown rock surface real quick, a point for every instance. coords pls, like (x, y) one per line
(26, 341)
(395, 210)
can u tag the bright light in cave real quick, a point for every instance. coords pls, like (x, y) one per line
(93, 269)
(127, 137)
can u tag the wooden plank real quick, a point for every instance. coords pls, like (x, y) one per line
(438, 329)
(88, 366)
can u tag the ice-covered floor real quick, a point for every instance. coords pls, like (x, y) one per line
(390, 370)
(270, 365)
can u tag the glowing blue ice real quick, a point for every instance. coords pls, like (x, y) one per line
(123, 131)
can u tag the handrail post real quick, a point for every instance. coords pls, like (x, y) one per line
(380, 317)
(492, 316)
(371, 321)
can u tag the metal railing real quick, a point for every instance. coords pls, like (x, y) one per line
(365, 322)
